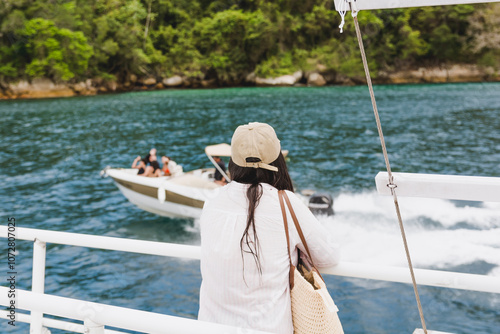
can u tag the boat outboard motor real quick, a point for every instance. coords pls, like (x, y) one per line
(321, 204)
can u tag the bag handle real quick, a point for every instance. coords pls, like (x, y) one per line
(282, 194)
(283, 211)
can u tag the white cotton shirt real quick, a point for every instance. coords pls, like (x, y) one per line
(233, 292)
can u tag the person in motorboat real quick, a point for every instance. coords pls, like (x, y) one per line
(147, 166)
(218, 178)
(165, 170)
(139, 164)
(153, 170)
(147, 158)
(244, 257)
(170, 167)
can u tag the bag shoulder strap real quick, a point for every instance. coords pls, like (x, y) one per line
(299, 231)
(283, 211)
(297, 225)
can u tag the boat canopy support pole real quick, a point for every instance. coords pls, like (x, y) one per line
(390, 181)
(218, 168)
(390, 4)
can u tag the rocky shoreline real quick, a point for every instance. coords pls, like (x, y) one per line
(45, 88)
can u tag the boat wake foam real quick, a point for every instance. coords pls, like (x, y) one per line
(442, 234)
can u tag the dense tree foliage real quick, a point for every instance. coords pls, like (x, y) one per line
(70, 40)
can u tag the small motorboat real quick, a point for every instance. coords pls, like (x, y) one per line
(183, 194)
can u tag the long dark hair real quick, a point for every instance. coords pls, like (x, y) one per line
(254, 177)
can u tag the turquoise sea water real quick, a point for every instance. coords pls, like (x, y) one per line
(51, 152)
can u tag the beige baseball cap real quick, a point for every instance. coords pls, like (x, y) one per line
(255, 140)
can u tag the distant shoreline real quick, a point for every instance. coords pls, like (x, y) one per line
(45, 88)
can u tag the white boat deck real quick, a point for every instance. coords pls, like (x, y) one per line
(191, 179)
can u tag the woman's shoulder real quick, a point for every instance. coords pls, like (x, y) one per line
(291, 195)
(228, 196)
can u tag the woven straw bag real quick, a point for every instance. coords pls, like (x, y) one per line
(313, 309)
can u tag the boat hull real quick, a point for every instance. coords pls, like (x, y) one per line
(166, 209)
(180, 196)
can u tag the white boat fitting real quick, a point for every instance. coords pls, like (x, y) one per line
(183, 194)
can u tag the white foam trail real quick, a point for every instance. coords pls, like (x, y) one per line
(366, 225)
(442, 211)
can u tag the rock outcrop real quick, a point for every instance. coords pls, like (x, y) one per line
(84, 88)
(315, 79)
(43, 88)
(442, 74)
(39, 88)
(174, 81)
(284, 80)
(149, 81)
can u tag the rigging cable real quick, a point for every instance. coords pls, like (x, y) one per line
(391, 184)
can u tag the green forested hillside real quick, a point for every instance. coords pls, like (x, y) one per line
(226, 40)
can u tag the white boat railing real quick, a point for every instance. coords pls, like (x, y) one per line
(455, 187)
(95, 315)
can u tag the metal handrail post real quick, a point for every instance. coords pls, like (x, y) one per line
(38, 282)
